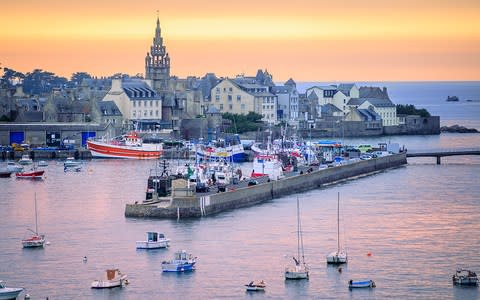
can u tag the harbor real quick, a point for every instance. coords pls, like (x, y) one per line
(185, 203)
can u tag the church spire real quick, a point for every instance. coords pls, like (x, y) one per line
(157, 62)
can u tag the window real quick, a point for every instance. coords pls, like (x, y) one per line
(134, 103)
(242, 107)
(230, 89)
(239, 98)
(221, 106)
(217, 90)
(144, 113)
(151, 113)
(229, 97)
(156, 113)
(145, 103)
(230, 106)
(134, 114)
(217, 98)
(139, 103)
(151, 103)
(156, 103)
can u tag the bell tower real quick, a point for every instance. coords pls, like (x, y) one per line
(157, 62)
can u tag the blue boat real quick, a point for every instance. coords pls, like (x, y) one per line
(361, 284)
(182, 262)
(229, 149)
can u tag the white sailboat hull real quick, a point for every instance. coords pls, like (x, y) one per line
(296, 274)
(337, 258)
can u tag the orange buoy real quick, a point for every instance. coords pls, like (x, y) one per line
(369, 253)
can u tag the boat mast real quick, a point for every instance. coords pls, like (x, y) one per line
(36, 223)
(298, 229)
(338, 223)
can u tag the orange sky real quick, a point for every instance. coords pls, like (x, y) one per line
(308, 40)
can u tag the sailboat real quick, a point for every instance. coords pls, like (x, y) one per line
(35, 240)
(300, 270)
(339, 256)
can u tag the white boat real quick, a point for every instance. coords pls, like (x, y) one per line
(339, 256)
(361, 284)
(181, 262)
(267, 165)
(9, 292)
(115, 278)
(154, 240)
(25, 160)
(14, 167)
(42, 163)
(130, 145)
(256, 286)
(228, 149)
(36, 240)
(465, 277)
(71, 162)
(300, 270)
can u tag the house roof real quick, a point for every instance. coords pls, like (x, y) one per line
(369, 115)
(330, 108)
(312, 96)
(139, 90)
(108, 108)
(345, 88)
(374, 101)
(373, 92)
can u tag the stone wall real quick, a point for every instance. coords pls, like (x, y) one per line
(247, 196)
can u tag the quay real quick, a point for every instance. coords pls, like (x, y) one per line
(443, 152)
(185, 203)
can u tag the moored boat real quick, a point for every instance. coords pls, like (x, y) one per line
(300, 270)
(115, 278)
(256, 286)
(33, 174)
(5, 173)
(465, 277)
(35, 240)
(71, 162)
(361, 284)
(129, 145)
(181, 262)
(14, 167)
(267, 165)
(9, 292)
(154, 240)
(229, 149)
(339, 256)
(25, 160)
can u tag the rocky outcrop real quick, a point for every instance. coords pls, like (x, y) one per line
(458, 129)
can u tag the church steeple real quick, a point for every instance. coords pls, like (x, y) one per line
(157, 62)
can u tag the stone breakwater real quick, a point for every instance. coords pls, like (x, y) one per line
(205, 205)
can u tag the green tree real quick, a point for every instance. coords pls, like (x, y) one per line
(243, 123)
(410, 109)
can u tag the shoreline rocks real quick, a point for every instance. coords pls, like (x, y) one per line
(458, 129)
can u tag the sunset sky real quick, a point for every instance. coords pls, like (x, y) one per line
(307, 40)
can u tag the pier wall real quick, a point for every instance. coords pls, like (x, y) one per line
(251, 195)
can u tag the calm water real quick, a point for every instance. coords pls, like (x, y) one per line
(420, 222)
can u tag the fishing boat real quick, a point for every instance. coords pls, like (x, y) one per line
(129, 145)
(361, 284)
(339, 256)
(25, 160)
(181, 262)
(300, 270)
(9, 292)
(229, 149)
(267, 165)
(5, 173)
(154, 240)
(14, 167)
(32, 174)
(36, 240)
(256, 286)
(465, 277)
(71, 162)
(115, 278)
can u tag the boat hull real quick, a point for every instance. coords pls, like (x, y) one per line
(5, 174)
(178, 267)
(108, 284)
(294, 275)
(30, 175)
(361, 284)
(105, 150)
(152, 245)
(9, 293)
(34, 242)
(337, 258)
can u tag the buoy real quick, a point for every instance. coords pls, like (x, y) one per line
(340, 270)
(48, 243)
(369, 253)
(27, 296)
(84, 259)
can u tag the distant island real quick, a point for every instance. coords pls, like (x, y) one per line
(458, 129)
(452, 99)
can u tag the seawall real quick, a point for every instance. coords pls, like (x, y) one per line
(205, 205)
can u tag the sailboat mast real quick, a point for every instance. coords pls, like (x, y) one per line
(36, 223)
(298, 229)
(338, 223)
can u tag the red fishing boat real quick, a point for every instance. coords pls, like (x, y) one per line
(33, 174)
(129, 145)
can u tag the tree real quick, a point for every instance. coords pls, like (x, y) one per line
(410, 109)
(243, 123)
(78, 77)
